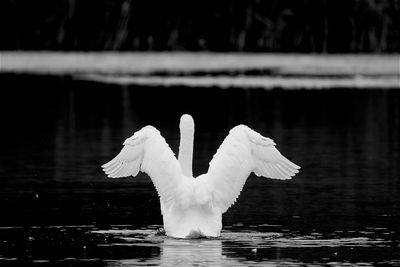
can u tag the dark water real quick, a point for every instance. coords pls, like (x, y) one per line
(58, 209)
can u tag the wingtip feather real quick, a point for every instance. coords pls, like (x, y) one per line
(106, 165)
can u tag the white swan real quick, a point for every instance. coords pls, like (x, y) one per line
(193, 207)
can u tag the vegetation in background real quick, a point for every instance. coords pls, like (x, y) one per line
(320, 26)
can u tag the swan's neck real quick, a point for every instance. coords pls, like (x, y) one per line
(185, 156)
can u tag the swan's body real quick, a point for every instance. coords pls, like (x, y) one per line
(193, 207)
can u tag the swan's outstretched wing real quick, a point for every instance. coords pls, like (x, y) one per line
(244, 151)
(148, 151)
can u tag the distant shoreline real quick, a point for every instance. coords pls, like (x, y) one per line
(212, 69)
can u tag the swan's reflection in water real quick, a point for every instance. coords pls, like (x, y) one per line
(172, 252)
(175, 252)
(179, 252)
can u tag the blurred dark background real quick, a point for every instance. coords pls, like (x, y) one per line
(318, 26)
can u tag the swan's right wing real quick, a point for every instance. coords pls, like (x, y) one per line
(244, 151)
(148, 151)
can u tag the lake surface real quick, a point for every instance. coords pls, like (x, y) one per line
(57, 208)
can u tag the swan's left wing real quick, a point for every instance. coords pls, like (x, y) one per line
(148, 151)
(244, 151)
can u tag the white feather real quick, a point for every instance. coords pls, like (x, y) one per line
(248, 151)
(192, 205)
(147, 151)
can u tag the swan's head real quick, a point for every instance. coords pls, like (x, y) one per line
(186, 124)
